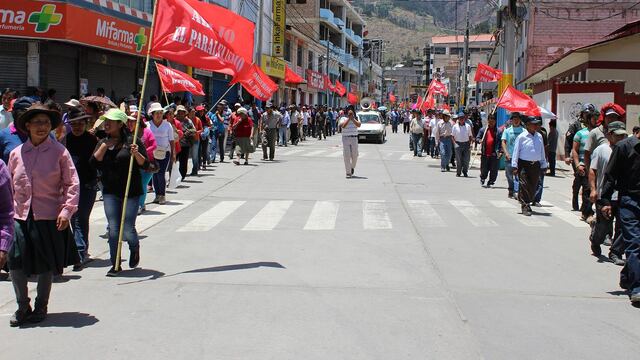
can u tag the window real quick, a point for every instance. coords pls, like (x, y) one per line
(299, 55)
(439, 50)
(310, 60)
(455, 51)
(287, 49)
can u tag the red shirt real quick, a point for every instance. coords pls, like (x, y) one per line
(490, 138)
(244, 128)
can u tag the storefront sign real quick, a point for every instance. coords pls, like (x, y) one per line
(273, 66)
(315, 80)
(66, 22)
(279, 19)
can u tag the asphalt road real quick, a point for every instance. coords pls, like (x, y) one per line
(290, 260)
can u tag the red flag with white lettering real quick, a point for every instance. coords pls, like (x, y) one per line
(428, 103)
(173, 81)
(340, 89)
(514, 100)
(202, 35)
(486, 73)
(436, 87)
(256, 82)
(328, 84)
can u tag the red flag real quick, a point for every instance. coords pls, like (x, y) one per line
(418, 102)
(428, 103)
(173, 81)
(514, 100)
(401, 105)
(486, 73)
(291, 76)
(256, 82)
(352, 98)
(436, 87)
(340, 89)
(328, 84)
(611, 106)
(392, 98)
(202, 35)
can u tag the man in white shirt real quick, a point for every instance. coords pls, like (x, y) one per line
(444, 140)
(349, 126)
(433, 147)
(5, 115)
(463, 136)
(306, 114)
(527, 160)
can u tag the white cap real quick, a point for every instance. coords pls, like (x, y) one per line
(73, 102)
(153, 107)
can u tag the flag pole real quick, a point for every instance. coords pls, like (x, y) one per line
(166, 98)
(497, 102)
(135, 138)
(221, 97)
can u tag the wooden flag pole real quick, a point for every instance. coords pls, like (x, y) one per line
(135, 138)
(166, 98)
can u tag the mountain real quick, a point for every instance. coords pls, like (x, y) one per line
(407, 26)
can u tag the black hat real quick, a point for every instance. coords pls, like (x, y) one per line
(76, 113)
(35, 109)
(534, 120)
(21, 105)
(129, 98)
(515, 114)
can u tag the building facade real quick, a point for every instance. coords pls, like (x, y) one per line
(77, 46)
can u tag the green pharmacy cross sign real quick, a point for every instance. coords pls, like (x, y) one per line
(45, 18)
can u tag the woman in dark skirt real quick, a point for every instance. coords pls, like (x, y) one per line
(46, 192)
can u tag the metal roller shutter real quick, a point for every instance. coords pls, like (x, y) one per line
(13, 62)
(123, 81)
(99, 76)
(61, 70)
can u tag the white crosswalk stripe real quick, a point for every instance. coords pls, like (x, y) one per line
(337, 153)
(511, 209)
(375, 216)
(314, 153)
(293, 152)
(564, 215)
(407, 156)
(425, 214)
(473, 214)
(323, 216)
(269, 216)
(212, 217)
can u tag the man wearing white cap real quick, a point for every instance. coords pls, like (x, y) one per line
(597, 135)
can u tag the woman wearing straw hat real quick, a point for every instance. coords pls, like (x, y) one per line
(45, 192)
(165, 150)
(80, 143)
(112, 157)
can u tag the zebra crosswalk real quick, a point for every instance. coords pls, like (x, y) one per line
(325, 215)
(336, 152)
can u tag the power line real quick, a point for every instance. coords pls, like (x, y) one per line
(546, 12)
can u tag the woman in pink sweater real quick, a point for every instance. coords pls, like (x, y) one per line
(149, 141)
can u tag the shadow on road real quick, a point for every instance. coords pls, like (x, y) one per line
(66, 319)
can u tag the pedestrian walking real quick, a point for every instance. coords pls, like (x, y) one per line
(271, 121)
(553, 146)
(349, 126)
(433, 150)
(406, 120)
(111, 157)
(321, 122)
(6, 215)
(587, 111)
(444, 140)
(416, 127)
(45, 197)
(284, 127)
(508, 139)
(296, 119)
(527, 161)
(255, 114)
(232, 119)
(463, 137)
(219, 133)
(6, 118)
(187, 140)
(147, 138)
(490, 152)
(80, 143)
(603, 229)
(243, 133)
(11, 137)
(581, 181)
(623, 174)
(205, 136)
(164, 152)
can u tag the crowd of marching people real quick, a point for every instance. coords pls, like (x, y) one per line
(604, 159)
(57, 161)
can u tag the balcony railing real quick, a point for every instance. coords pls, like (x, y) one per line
(338, 22)
(326, 14)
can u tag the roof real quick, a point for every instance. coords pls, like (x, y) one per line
(629, 29)
(448, 39)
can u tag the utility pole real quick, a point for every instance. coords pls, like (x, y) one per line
(259, 24)
(465, 69)
(508, 17)
(326, 91)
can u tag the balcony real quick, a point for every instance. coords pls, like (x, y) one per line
(349, 33)
(357, 39)
(326, 14)
(338, 22)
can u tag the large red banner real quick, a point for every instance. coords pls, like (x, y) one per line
(328, 84)
(173, 81)
(340, 89)
(203, 35)
(514, 100)
(256, 82)
(352, 98)
(315, 80)
(486, 73)
(436, 87)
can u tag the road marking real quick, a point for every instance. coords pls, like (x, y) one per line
(337, 153)
(472, 213)
(425, 213)
(323, 216)
(269, 216)
(512, 209)
(375, 216)
(314, 153)
(407, 156)
(564, 215)
(212, 217)
(288, 153)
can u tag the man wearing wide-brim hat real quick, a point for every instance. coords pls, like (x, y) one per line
(444, 140)
(527, 162)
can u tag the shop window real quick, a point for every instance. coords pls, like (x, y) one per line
(310, 60)
(299, 56)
